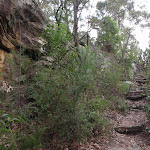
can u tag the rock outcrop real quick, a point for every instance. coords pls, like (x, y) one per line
(21, 22)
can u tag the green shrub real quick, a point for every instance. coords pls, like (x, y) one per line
(57, 39)
(124, 87)
(69, 97)
(31, 141)
(63, 99)
(108, 80)
(8, 134)
(108, 35)
(118, 104)
(69, 100)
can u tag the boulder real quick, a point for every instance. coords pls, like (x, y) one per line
(21, 22)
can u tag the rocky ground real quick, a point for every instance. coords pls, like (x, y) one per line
(130, 130)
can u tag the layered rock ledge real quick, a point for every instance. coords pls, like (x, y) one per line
(21, 22)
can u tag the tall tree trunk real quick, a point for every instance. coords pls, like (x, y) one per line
(76, 41)
(87, 40)
(66, 15)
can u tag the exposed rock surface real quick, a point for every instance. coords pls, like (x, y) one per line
(45, 61)
(21, 22)
(132, 129)
(2, 58)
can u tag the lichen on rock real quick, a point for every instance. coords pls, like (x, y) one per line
(21, 22)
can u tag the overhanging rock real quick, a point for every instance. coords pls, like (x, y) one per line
(21, 23)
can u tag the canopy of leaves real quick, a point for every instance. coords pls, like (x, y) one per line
(108, 35)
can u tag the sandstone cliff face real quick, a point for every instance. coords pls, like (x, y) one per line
(21, 22)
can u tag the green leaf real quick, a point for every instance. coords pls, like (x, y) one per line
(21, 118)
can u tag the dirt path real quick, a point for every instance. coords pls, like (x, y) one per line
(137, 138)
(136, 141)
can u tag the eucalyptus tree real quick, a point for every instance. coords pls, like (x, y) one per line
(46, 7)
(78, 6)
(65, 11)
(122, 11)
(116, 10)
(146, 56)
(108, 35)
(129, 46)
(57, 11)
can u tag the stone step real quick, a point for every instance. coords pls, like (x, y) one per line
(136, 94)
(140, 107)
(136, 97)
(134, 147)
(130, 130)
(139, 91)
(140, 75)
(141, 81)
(140, 78)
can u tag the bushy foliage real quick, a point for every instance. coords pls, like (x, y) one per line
(108, 36)
(124, 87)
(57, 38)
(64, 102)
(8, 131)
(148, 87)
(70, 99)
(61, 98)
(108, 80)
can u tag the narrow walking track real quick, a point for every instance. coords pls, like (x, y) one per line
(129, 129)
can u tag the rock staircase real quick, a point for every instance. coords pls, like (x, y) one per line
(134, 124)
(136, 93)
(140, 79)
(129, 128)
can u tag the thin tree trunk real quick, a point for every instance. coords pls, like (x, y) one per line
(66, 15)
(76, 41)
(87, 42)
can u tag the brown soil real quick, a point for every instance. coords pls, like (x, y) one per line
(127, 141)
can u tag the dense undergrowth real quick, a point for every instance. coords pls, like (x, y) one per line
(59, 105)
(148, 87)
(61, 99)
